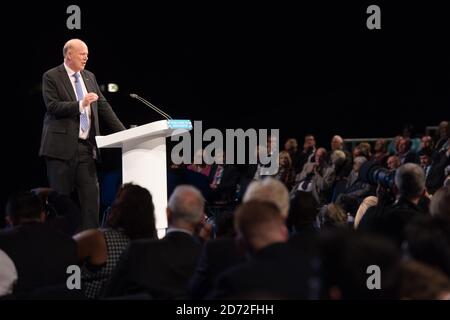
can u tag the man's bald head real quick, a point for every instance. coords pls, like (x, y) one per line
(75, 54)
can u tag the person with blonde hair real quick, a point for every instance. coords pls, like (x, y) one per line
(270, 190)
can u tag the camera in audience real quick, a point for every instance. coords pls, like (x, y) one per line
(375, 174)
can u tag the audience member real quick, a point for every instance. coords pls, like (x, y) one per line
(274, 269)
(162, 268)
(99, 250)
(40, 252)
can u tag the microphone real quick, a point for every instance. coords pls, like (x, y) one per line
(148, 104)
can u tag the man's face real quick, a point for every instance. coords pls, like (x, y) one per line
(425, 142)
(425, 161)
(336, 143)
(284, 160)
(77, 57)
(310, 141)
(392, 163)
(319, 155)
(403, 146)
(379, 144)
(443, 129)
(291, 144)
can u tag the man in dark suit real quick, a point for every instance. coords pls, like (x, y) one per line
(74, 104)
(39, 250)
(223, 179)
(274, 269)
(217, 256)
(162, 268)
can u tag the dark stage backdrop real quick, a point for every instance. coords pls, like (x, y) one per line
(309, 68)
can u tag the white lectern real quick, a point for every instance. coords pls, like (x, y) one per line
(144, 159)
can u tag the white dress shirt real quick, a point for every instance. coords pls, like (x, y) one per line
(82, 135)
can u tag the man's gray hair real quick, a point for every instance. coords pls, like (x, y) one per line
(410, 180)
(186, 203)
(270, 190)
(360, 160)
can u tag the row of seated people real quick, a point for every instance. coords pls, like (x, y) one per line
(281, 246)
(332, 176)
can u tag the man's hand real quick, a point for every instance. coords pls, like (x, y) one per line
(88, 99)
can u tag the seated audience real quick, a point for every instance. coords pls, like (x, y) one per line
(443, 135)
(346, 257)
(274, 269)
(393, 162)
(223, 180)
(132, 217)
(270, 190)
(40, 252)
(405, 152)
(291, 147)
(332, 216)
(317, 177)
(307, 154)
(286, 173)
(381, 155)
(355, 190)
(389, 219)
(162, 268)
(220, 254)
(422, 282)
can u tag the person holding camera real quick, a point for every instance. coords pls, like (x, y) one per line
(390, 219)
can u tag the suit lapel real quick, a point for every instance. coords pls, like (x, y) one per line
(90, 88)
(66, 81)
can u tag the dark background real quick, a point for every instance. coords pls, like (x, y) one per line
(304, 68)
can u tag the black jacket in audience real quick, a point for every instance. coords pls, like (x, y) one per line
(391, 220)
(161, 268)
(436, 177)
(217, 256)
(43, 251)
(226, 189)
(40, 253)
(276, 271)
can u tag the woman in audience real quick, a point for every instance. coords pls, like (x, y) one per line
(285, 172)
(132, 217)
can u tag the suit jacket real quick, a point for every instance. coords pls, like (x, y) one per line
(321, 181)
(390, 221)
(217, 256)
(274, 272)
(40, 253)
(226, 189)
(62, 119)
(436, 176)
(161, 268)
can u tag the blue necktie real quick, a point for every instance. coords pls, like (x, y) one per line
(84, 124)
